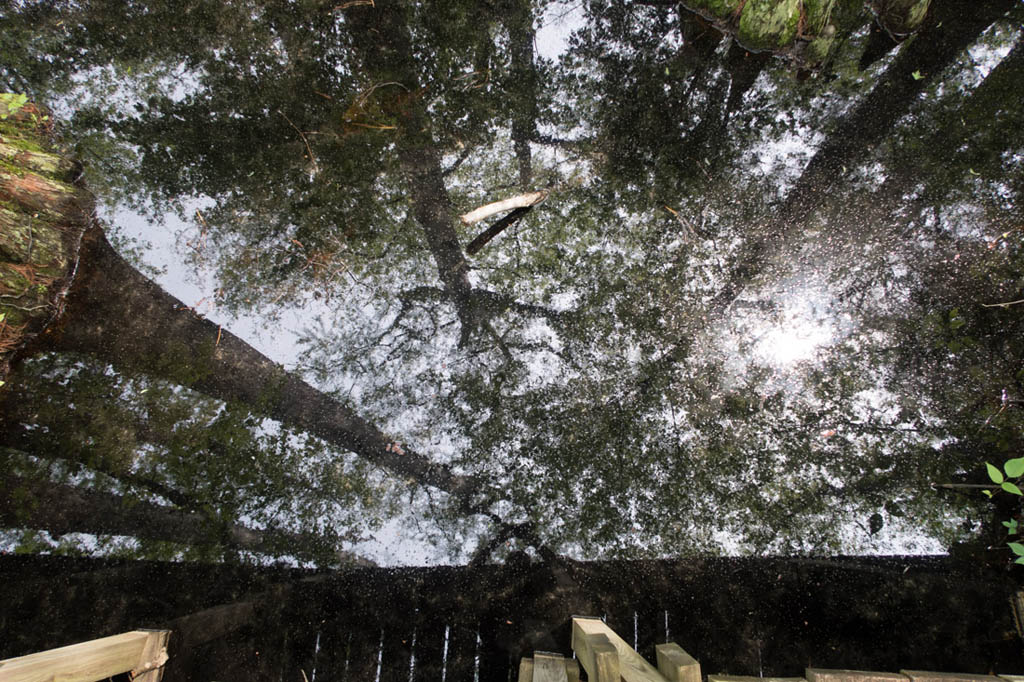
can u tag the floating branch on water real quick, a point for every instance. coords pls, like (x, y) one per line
(520, 201)
(1007, 304)
(494, 230)
(312, 158)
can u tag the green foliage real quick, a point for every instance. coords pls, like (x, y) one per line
(152, 441)
(1014, 468)
(12, 102)
(621, 373)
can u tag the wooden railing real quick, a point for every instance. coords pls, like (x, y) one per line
(141, 654)
(607, 658)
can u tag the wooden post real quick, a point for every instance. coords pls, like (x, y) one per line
(632, 667)
(154, 655)
(548, 667)
(675, 664)
(596, 654)
(572, 670)
(525, 669)
(141, 652)
(590, 640)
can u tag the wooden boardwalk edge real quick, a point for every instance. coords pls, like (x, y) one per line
(142, 653)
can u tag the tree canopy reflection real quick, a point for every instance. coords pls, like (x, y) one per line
(590, 382)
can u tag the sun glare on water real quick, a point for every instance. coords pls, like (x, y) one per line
(796, 335)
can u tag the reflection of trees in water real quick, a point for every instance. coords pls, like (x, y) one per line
(576, 369)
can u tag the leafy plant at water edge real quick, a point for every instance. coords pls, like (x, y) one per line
(1013, 468)
(13, 102)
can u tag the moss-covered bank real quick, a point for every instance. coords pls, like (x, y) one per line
(43, 214)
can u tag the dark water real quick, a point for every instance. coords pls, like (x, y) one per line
(768, 299)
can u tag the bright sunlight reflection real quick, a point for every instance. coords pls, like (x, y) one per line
(796, 334)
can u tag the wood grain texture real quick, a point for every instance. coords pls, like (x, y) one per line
(548, 667)
(88, 661)
(591, 634)
(675, 664)
(526, 669)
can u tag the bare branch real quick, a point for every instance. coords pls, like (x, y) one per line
(520, 201)
(1001, 305)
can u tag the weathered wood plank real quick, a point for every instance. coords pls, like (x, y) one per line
(827, 675)
(927, 676)
(752, 678)
(150, 667)
(548, 667)
(525, 669)
(89, 661)
(632, 666)
(572, 670)
(675, 664)
(587, 633)
(596, 654)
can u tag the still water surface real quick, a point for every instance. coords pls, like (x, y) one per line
(755, 310)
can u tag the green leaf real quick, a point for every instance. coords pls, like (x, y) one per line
(1020, 560)
(986, 493)
(1017, 548)
(995, 474)
(13, 101)
(1014, 467)
(917, 75)
(1011, 488)
(1012, 527)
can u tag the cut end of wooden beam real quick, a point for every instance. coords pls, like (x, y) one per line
(675, 664)
(548, 667)
(595, 651)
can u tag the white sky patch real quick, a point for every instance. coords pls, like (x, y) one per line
(559, 21)
(163, 247)
(784, 158)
